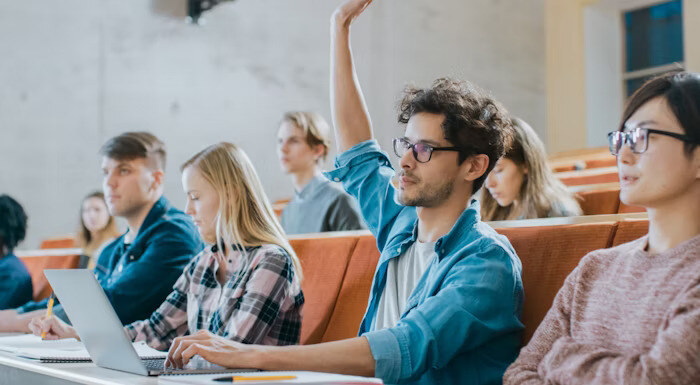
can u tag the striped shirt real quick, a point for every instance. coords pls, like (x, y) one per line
(260, 301)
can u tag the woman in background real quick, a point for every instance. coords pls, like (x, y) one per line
(97, 226)
(522, 186)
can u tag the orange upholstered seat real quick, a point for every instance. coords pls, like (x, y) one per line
(37, 261)
(624, 209)
(592, 176)
(58, 243)
(323, 262)
(629, 230)
(548, 255)
(598, 202)
(354, 294)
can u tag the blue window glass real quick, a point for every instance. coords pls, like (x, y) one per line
(654, 35)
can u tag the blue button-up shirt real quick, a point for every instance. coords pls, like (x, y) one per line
(461, 323)
(137, 277)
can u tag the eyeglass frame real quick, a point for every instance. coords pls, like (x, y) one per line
(412, 147)
(627, 139)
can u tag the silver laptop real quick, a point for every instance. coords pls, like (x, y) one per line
(99, 327)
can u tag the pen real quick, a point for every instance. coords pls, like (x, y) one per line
(49, 311)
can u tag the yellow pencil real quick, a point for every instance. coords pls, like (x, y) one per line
(49, 311)
(262, 378)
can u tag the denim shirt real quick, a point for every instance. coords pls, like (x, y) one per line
(137, 277)
(461, 323)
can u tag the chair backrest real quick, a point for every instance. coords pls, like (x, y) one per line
(548, 255)
(324, 262)
(38, 260)
(629, 230)
(598, 202)
(278, 208)
(354, 293)
(592, 176)
(66, 242)
(624, 209)
(601, 162)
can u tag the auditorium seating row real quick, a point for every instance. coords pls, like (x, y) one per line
(602, 198)
(582, 159)
(336, 292)
(338, 267)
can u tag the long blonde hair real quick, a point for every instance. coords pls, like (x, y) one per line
(245, 216)
(540, 192)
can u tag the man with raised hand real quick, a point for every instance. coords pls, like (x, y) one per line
(447, 293)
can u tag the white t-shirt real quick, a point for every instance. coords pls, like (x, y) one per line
(403, 273)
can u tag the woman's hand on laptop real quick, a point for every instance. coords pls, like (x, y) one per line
(213, 348)
(53, 327)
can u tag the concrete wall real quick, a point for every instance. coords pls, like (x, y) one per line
(75, 73)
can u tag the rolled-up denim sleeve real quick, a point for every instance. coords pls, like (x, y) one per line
(365, 173)
(477, 302)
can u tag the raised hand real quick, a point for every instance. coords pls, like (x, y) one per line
(349, 10)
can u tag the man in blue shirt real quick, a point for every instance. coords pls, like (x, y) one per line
(15, 281)
(447, 293)
(138, 269)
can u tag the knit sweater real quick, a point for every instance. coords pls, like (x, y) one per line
(623, 316)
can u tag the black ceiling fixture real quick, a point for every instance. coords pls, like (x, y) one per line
(195, 8)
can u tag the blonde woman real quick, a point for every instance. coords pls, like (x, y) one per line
(245, 287)
(97, 226)
(522, 186)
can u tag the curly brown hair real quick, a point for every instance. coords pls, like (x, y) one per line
(474, 121)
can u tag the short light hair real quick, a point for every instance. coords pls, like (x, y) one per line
(135, 145)
(315, 129)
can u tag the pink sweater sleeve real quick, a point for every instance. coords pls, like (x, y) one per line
(673, 359)
(527, 368)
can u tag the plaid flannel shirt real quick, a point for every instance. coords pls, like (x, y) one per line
(258, 304)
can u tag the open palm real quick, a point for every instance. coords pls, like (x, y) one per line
(349, 10)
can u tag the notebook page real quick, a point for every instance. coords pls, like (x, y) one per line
(13, 343)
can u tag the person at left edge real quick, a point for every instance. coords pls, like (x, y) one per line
(137, 271)
(15, 281)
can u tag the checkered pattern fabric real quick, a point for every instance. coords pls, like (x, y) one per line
(260, 301)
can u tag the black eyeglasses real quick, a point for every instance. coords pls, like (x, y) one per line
(638, 139)
(421, 152)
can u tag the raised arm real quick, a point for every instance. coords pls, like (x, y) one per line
(350, 116)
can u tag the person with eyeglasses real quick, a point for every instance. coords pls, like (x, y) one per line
(631, 314)
(447, 293)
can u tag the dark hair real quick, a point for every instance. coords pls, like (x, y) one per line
(13, 223)
(474, 121)
(134, 145)
(681, 90)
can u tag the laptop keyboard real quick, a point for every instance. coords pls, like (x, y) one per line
(154, 364)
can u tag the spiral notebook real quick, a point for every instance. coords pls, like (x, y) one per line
(66, 350)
